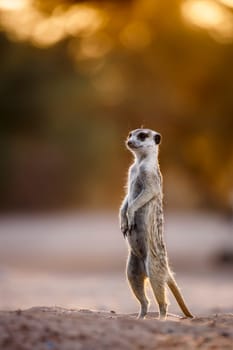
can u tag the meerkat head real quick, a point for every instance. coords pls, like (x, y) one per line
(143, 141)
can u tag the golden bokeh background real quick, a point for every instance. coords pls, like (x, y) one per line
(77, 75)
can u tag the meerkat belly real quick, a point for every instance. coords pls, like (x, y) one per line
(148, 232)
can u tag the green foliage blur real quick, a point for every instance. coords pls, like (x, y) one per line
(76, 76)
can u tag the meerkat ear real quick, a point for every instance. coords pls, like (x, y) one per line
(157, 138)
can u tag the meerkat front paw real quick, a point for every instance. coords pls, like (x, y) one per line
(124, 225)
(131, 220)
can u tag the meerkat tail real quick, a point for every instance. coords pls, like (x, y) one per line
(177, 294)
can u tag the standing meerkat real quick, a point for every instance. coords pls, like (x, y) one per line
(142, 223)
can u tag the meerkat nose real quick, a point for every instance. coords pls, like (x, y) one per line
(130, 143)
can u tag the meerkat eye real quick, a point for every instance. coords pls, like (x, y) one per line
(130, 134)
(142, 136)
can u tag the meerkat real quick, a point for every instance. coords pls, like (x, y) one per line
(142, 224)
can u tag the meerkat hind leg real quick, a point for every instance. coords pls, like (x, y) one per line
(136, 276)
(158, 285)
(159, 291)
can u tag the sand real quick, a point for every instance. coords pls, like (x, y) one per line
(75, 264)
(59, 328)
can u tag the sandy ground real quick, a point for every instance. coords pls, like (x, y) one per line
(74, 264)
(57, 328)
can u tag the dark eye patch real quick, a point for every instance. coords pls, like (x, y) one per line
(142, 136)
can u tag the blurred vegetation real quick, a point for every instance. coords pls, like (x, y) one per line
(76, 76)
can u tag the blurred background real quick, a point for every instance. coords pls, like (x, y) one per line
(75, 77)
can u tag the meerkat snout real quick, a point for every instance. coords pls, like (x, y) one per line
(129, 143)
